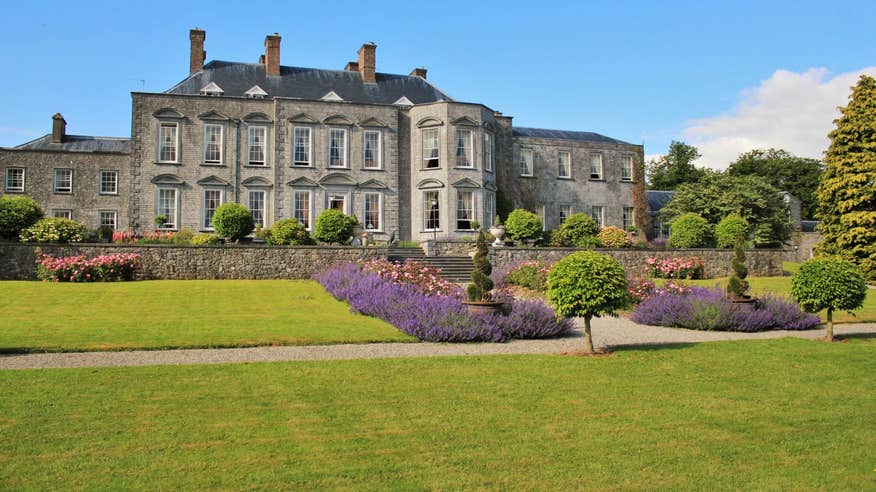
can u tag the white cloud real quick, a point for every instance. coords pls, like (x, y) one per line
(790, 110)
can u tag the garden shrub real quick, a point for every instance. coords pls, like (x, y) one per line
(523, 225)
(690, 231)
(426, 278)
(54, 230)
(577, 230)
(289, 232)
(831, 284)
(16, 214)
(639, 289)
(233, 221)
(532, 318)
(532, 275)
(737, 286)
(205, 239)
(614, 237)
(690, 267)
(731, 229)
(104, 268)
(332, 226)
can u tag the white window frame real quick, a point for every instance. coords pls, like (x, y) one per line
(377, 153)
(471, 211)
(264, 209)
(564, 172)
(308, 147)
(62, 213)
(600, 217)
(172, 223)
(176, 127)
(565, 212)
(55, 180)
(204, 225)
(343, 148)
(331, 196)
(250, 130)
(627, 168)
(627, 224)
(220, 143)
(436, 150)
(309, 215)
(379, 227)
(541, 210)
(100, 182)
(489, 208)
(526, 167)
(468, 149)
(115, 216)
(597, 164)
(489, 151)
(16, 189)
(427, 211)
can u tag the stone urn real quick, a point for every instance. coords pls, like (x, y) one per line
(498, 232)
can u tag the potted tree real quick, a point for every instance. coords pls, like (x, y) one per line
(479, 291)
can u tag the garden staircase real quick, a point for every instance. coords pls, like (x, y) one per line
(453, 268)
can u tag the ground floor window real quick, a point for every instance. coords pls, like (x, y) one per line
(598, 214)
(464, 210)
(301, 207)
(167, 206)
(541, 214)
(565, 212)
(107, 218)
(431, 211)
(212, 201)
(337, 201)
(62, 214)
(256, 205)
(629, 218)
(373, 215)
(489, 209)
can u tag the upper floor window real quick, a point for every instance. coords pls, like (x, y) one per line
(464, 210)
(256, 204)
(565, 212)
(109, 183)
(15, 179)
(373, 212)
(526, 162)
(371, 149)
(629, 218)
(595, 166)
(627, 168)
(464, 148)
(337, 147)
(431, 153)
(489, 149)
(63, 181)
(301, 149)
(168, 142)
(167, 206)
(257, 145)
(598, 214)
(564, 164)
(213, 144)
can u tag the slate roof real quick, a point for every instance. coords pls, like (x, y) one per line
(658, 199)
(309, 83)
(80, 143)
(520, 131)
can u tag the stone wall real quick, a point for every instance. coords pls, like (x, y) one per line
(194, 262)
(802, 246)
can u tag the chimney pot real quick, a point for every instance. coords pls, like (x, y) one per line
(197, 55)
(419, 72)
(368, 62)
(272, 54)
(59, 128)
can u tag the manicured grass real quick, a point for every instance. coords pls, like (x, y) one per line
(41, 316)
(769, 415)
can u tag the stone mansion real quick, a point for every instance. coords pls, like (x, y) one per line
(286, 141)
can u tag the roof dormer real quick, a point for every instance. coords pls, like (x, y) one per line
(255, 92)
(212, 89)
(332, 96)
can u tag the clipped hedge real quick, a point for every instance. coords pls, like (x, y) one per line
(523, 225)
(690, 231)
(16, 214)
(233, 221)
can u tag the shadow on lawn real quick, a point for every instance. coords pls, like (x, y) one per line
(651, 346)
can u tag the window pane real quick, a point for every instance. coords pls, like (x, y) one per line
(337, 148)
(257, 207)
(431, 154)
(63, 180)
(526, 162)
(598, 214)
(431, 211)
(463, 148)
(212, 201)
(464, 209)
(14, 179)
(565, 212)
(62, 214)
(628, 218)
(488, 151)
(372, 149)
(564, 170)
(213, 143)
(109, 182)
(167, 206)
(301, 207)
(372, 212)
(107, 218)
(167, 142)
(596, 166)
(257, 145)
(302, 146)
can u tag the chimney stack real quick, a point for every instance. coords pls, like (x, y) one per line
(367, 63)
(352, 67)
(272, 54)
(59, 128)
(419, 72)
(197, 55)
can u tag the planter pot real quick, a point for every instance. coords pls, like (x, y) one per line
(498, 232)
(481, 307)
(742, 300)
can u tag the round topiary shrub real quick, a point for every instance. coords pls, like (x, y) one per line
(587, 284)
(54, 230)
(831, 284)
(578, 230)
(731, 229)
(289, 232)
(233, 221)
(16, 214)
(690, 231)
(523, 225)
(332, 226)
(614, 237)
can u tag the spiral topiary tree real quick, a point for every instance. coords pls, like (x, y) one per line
(737, 286)
(479, 290)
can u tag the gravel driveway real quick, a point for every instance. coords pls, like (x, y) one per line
(607, 332)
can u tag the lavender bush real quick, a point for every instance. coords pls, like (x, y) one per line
(707, 309)
(531, 318)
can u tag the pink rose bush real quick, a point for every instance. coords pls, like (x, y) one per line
(688, 268)
(425, 277)
(103, 268)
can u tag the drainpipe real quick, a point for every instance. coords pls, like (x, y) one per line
(236, 169)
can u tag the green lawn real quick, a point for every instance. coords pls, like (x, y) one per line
(41, 316)
(778, 414)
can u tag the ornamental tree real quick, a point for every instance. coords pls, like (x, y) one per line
(690, 231)
(847, 191)
(828, 283)
(233, 221)
(587, 284)
(481, 286)
(332, 226)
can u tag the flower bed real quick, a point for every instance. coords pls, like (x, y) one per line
(706, 309)
(433, 316)
(104, 268)
(426, 277)
(688, 268)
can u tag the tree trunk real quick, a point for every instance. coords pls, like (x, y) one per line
(588, 342)
(830, 325)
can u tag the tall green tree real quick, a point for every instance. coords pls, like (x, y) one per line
(719, 194)
(847, 192)
(787, 172)
(675, 168)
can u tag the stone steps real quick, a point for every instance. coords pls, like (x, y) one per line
(453, 268)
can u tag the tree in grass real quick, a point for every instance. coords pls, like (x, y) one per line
(829, 283)
(847, 191)
(481, 285)
(587, 284)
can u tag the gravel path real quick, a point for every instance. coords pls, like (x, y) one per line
(610, 332)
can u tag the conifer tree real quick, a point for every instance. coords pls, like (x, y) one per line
(847, 192)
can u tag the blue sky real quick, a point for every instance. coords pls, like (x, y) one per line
(722, 75)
